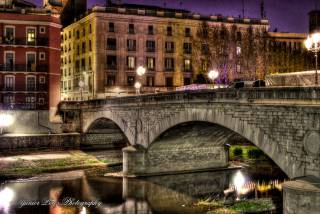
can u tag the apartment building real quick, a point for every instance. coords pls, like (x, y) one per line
(104, 48)
(29, 59)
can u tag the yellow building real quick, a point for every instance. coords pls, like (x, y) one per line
(103, 49)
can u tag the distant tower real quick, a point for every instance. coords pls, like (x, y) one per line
(314, 21)
(263, 10)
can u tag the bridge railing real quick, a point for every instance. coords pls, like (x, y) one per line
(222, 95)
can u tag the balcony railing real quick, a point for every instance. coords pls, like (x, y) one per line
(24, 68)
(24, 41)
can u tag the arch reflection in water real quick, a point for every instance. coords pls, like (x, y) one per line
(159, 194)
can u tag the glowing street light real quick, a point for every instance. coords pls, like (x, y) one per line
(137, 86)
(313, 45)
(140, 72)
(6, 120)
(213, 75)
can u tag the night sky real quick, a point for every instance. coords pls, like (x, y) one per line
(285, 15)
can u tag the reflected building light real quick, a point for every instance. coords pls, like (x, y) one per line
(238, 180)
(6, 197)
(83, 211)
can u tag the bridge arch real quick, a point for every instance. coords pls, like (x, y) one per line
(90, 119)
(240, 126)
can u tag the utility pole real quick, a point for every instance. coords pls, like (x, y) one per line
(243, 8)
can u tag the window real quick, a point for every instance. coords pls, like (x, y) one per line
(111, 27)
(83, 47)
(111, 80)
(111, 62)
(151, 63)
(77, 34)
(31, 36)
(111, 44)
(9, 35)
(131, 45)
(187, 32)
(31, 102)
(131, 62)
(42, 29)
(239, 36)
(9, 61)
(31, 83)
(77, 66)
(186, 81)
(90, 45)
(169, 64)
(83, 32)
(150, 81)
(130, 80)
(169, 31)
(151, 46)
(42, 80)
(169, 46)
(187, 48)
(90, 63)
(41, 101)
(69, 34)
(31, 62)
(205, 49)
(42, 56)
(169, 81)
(131, 28)
(78, 50)
(187, 65)
(150, 29)
(90, 28)
(238, 50)
(9, 83)
(8, 99)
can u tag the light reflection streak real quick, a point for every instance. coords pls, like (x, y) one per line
(6, 197)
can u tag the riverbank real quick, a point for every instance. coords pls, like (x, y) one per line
(35, 163)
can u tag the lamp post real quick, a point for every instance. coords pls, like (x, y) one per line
(140, 72)
(213, 74)
(81, 86)
(137, 86)
(6, 120)
(313, 45)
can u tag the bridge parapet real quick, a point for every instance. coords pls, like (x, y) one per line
(306, 95)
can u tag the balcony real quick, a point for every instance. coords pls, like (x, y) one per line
(23, 41)
(24, 68)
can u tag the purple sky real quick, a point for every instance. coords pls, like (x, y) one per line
(286, 15)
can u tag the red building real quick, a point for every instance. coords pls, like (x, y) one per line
(29, 59)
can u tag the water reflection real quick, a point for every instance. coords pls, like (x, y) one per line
(160, 194)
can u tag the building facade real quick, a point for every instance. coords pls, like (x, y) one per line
(29, 59)
(288, 54)
(104, 49)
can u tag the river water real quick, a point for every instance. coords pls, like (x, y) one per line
(158, 194)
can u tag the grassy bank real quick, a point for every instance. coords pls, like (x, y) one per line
(28, 165)
(248, 206)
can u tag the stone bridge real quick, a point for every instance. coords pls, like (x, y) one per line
(283, 122)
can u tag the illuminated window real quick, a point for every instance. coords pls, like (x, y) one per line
(131, 62)
(31, 35)
(238, 50)
(187, 65)
(151, 63)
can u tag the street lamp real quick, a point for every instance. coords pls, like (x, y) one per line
(213, 74)
(137, 86)
(6, 120)
(140, 72)
(81, 86)
(313, 45)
